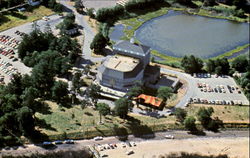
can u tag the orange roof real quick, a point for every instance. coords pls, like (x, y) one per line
(150, 100)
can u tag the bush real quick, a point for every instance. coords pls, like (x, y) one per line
(190, 124)
(180, 114)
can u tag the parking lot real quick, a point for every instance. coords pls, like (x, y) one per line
(218, 90)
(9, 41)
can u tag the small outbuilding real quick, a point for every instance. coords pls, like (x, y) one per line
(150, 101)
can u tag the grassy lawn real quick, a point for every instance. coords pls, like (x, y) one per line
(228, 114)
(24, 17)
(84, 123)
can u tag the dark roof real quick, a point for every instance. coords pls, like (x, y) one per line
(152, 69)
(126, 46)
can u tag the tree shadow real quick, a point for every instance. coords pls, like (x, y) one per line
(3, 19)
(197, 133)
(18, 15)
(121, 133)
(42, 124)
(38, 137)
(66, 9)
(192, 155)
(138, 129)
(43, 108)
(88, 114)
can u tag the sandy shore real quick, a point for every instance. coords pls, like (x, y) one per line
(232, 147)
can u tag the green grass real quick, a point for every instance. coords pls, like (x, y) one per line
(229, 114)
(11, 21)
(80, 123)
(135, 23)
(231, 52)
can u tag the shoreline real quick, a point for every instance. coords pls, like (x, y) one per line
(128, 33)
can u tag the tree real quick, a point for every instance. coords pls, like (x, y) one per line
(79, 6)
(192, 64)
(26, 120)
(209, 2)
(59, 91)
(90, 12)
(103, 109)
(93, 92)
(164, 93)
(210, 66)
(99, 42)
(135, 91)
(122, 106)
(241, 63)
(29, 95)
(189, 124)
(180, 114)
(204, 116)
(77, 82)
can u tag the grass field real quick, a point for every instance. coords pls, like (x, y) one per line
(80, 123)
(17, 19)
(229, 114)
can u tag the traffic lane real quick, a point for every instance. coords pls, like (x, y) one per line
(79, 144)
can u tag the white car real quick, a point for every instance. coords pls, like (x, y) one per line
(45, 18)
(169, 136)
(98, 138)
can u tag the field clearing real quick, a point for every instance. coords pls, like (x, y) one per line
(24, 17)
(84, 123)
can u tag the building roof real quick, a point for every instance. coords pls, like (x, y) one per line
(150, 100)
(121, 63)
(131, 48)
(152, 69)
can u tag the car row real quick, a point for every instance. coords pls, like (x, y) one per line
(8, 52)
(7, 68)
(106, 146)
(202, 75)
(58, 142)
(9, 41)
(204, 87)
(217, 102)
(20, 33)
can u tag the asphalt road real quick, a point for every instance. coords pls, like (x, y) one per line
(88, 35)
(79, 144)
(191, 83)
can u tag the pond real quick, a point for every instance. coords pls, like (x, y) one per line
(177, 34)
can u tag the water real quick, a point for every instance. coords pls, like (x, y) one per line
(177, 34)
(117, 33)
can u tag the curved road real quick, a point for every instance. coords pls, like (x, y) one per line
(191, 84)
(88, 34)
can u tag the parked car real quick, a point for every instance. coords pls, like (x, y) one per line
(48, 144)
(98, 138)
(169, 136)
(58, 142)
(69, 141)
